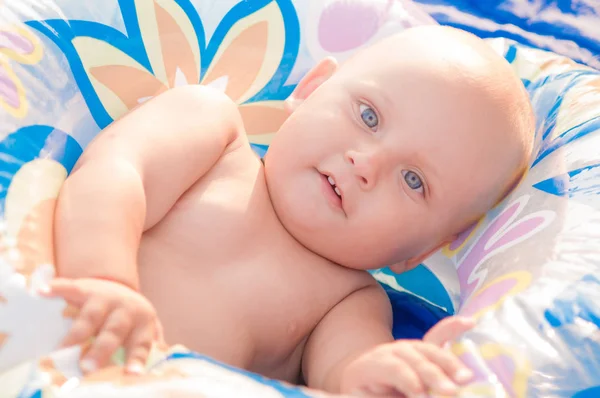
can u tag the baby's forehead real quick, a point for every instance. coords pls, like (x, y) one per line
(391, 69)
(433, 49)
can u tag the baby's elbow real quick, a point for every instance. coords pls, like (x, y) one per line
(198, 100)
(198, 104)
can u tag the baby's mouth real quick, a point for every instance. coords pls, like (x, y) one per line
(334, 187)
(333, 194)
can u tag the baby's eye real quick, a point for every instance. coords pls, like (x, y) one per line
(413, 180)
(369, 116)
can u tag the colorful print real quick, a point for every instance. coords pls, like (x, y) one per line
(493, 294)
(165, 46)
(503, 232)
(558, 80)
(498, 369)
(462, 239)
(339, 27)
(42, 158)
(345, 25)
(17, 44)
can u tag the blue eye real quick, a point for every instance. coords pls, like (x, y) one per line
(369, 116)
(413, 180)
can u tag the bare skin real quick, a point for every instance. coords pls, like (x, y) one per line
(263, 267)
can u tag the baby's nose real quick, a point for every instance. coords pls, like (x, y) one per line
(365, 166)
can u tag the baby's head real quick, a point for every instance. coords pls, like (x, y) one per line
(421, 133)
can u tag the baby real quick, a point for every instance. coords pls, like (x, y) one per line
(169, 215)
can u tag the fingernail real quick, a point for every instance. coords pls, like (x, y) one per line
(135, 369)
(463, 375)
(44, 290)
(446, 386)
(88, 365)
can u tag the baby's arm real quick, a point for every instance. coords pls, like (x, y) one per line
(352, 351)
(125, 182)
(131, 175)
(357, 324)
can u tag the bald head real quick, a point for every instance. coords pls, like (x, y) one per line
(460, 91)
(476, 66)
(471, 64)
(422, 133)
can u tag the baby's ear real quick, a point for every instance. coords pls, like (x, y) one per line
(309, 83)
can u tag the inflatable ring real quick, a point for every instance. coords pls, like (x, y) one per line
(527, 271)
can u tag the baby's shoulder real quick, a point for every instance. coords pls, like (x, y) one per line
(365, 291)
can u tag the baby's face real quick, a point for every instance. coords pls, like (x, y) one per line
(388, 159)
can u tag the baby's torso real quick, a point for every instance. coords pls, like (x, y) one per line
(229, 282)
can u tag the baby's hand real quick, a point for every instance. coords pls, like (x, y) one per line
(113, 313)
(410, 368)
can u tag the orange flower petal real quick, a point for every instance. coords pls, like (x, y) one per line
(242, 60)
(250, 53)
(128, 84)
(263, 117)
(118, 80)
(176, 49)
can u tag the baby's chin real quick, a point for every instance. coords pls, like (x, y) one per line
(325, 235)
(328, 244)
(347, 255)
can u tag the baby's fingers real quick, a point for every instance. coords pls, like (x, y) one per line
(428, 372)
(111, 337)
(137, 347)
(68, 289)
(448, 329)
(389, 373)
(448, 362)
(87, 324)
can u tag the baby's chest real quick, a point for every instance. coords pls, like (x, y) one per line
(219, 245)
(281, 311)
(221, 212)
(257, 313)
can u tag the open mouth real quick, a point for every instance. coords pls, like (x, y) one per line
(332, 192)
(335, 188)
